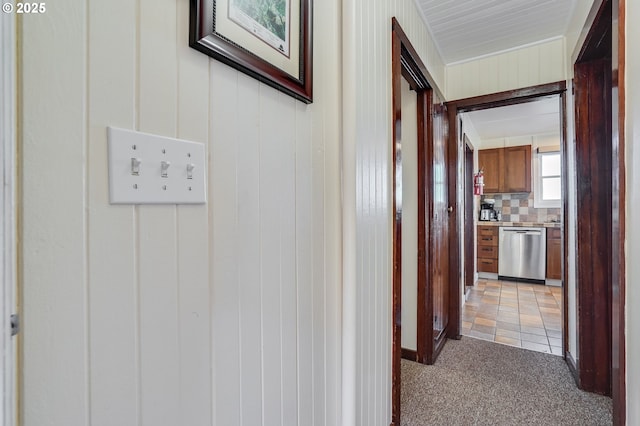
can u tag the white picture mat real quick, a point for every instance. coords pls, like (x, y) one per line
(242, 37)
(250, 24)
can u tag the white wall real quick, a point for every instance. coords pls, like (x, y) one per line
(409, 171)
(528, 66)
(367, 167)
(8, 219)
(632, 155)
(220, 314)
(572, 237)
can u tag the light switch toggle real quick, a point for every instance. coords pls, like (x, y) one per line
(190, 168)
(152, 169)
(164, 169)
(135, 166)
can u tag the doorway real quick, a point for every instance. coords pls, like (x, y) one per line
(513, 97)
(430, 250)
(499, 309)
(600, 202)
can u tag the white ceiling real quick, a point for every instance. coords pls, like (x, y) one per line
(467, 29)
(531, 118)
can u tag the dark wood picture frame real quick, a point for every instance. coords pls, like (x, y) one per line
(204, 38)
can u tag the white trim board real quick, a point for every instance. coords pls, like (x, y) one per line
(8, 381)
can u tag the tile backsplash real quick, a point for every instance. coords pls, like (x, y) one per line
(519, 208)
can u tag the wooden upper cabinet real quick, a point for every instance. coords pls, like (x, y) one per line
(490, 162)
(506, 169)
(517, 169)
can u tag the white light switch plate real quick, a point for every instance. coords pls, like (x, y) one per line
(145, 184)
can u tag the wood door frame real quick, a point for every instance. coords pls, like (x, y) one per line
(593, 228)
(424, 342)
(601, 40)
(406, 63)
(476, 103)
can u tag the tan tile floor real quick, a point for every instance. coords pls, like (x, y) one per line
(518, 314)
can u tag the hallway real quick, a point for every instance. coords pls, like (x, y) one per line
(475, 382)
(524, 315)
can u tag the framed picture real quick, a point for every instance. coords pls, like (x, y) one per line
(269, 40)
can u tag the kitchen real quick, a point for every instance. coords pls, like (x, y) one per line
(517, 296)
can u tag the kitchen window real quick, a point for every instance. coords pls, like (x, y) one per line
(548, 180)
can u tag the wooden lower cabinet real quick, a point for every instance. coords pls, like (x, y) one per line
(488, 249)
(554, 254)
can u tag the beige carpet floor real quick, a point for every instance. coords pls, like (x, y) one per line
(476, 382)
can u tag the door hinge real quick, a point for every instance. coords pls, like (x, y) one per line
(15, 324)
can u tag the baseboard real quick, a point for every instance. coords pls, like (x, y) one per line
(521, 280)
(467, 292)
(451, 334)
(571, 363)
(409, 354)
(488, 275)
(554, 283)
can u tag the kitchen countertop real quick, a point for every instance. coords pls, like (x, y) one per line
(521, 224)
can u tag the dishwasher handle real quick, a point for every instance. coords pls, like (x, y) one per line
(526, 232)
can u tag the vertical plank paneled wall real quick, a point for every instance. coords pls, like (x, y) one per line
(220, 314)
(527, 66)
(367, 32)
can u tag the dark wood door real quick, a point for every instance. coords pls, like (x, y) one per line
(469, 240)
(439, 232)
(490, 162)
(433, 290)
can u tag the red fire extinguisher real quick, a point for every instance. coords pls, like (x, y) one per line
(478, 183)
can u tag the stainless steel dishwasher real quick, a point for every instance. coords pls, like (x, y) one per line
(522, 253)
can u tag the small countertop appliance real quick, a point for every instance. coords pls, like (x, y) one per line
(487, 212)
